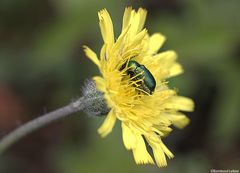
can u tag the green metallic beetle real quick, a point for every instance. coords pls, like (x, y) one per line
(141, 72)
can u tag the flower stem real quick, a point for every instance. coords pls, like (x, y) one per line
(39, 122)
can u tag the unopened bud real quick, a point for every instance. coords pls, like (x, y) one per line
(94, 101)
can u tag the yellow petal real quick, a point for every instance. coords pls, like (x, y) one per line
(180, 103)
(163, 65)
(165, 57)
(100, 83)
(137, 39)
(142, 13)
(168, 64)
(162, 61)
(165, 130)
(175, 70)
(129, 138)
(137, 22)
(135, 19)
(159, 150)
(166, 150)
(155, 42)
(106, 27)
(159, 157)
(179, 120)
(118, 46)
(128, 13)
(108, 124)
(91, 55)
(103, 54)
(140, 153)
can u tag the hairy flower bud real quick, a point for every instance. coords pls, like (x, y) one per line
(94, 101)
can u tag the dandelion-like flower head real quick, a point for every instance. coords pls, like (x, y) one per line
(145, 116)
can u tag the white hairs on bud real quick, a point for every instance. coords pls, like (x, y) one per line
(94, 101)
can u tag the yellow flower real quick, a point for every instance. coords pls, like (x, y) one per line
(145, 117)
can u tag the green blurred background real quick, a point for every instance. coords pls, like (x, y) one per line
(42, 67)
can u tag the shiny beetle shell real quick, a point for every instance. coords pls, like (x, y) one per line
(141, 72)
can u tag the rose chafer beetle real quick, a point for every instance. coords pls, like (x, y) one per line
(139, 72)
